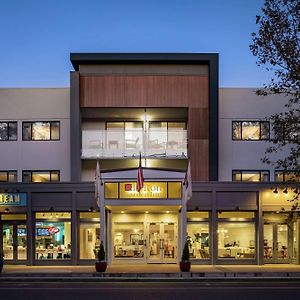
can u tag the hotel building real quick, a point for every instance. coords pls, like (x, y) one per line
(168, 108)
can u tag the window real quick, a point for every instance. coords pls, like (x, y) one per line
(41, 131)
(89, 234)
(236, 235)
(287, 176)
(286, 131)
(198, 234)
(8, 131)
(259, 176)
(41, 176)
(250, 130)
(8, 176)
(53, 235)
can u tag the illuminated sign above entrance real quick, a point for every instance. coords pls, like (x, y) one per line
(13, 199)
(151, 190)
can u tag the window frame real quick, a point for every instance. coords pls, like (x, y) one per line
(284, 173)
(241, 130)
(8, 139)
(7, 175)
(41, 171)
(40, 140)
(249, 171)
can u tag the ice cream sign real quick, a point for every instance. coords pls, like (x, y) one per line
(53, 230)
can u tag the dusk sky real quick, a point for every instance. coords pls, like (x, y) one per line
(37, 36)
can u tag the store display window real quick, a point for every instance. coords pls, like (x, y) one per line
(53, 236)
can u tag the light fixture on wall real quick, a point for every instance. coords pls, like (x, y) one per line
(285, 190)
(51, 209)
(91, 209)
(237, 208)
(6, 210)
(296, 191)
(275, 191)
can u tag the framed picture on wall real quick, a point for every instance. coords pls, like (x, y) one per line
(134, 239)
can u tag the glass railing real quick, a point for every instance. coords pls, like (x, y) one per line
(115, 143)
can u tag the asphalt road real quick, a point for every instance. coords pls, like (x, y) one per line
(278, 290)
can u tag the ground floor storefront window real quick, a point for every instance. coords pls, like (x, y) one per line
(89, 234)
(53, 236)
(236, 235)
(128, 240)
(198, 234)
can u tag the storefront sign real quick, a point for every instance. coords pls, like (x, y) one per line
(53, 230)
(151, 190)
(13, 199)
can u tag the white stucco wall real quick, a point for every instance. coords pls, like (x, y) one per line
(36, 105)
(243, 104)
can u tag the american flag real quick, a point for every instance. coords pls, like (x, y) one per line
(140, 177)
(97, 183)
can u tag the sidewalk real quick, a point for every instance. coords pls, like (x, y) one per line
(153, 271)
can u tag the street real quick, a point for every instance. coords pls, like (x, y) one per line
(225, 290)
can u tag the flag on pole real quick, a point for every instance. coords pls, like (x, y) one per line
(188, 183)
(140, 178)
(97, 183)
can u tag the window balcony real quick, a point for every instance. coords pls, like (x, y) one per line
(116, 143)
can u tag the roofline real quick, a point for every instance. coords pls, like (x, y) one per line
(140, 58)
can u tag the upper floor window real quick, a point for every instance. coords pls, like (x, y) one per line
(8, 176)
(41, 131)
(8, 131)
(259, 176)
(250, 130)
(287, 176)
(41, 176)
(286, 131)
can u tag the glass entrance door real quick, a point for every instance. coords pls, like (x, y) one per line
(162, 243)
(14, 240)
(276, 241)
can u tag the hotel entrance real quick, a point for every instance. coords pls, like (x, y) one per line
(148, 237)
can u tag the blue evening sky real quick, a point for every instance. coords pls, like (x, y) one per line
(37, 36)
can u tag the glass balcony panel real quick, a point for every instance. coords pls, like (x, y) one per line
(116, 143)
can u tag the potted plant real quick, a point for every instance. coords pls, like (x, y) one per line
(1, 260)
(101, 264)
(185, 264)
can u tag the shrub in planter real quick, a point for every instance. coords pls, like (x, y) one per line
(101, 264)
(185, 264)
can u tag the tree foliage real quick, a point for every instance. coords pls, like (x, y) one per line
(277, 48)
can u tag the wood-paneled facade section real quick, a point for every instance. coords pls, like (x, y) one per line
(190, 91)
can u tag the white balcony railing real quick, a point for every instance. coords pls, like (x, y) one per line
(115, 143)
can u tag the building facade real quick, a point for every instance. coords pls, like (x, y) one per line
(169, 110)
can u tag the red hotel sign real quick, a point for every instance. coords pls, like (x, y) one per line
(53, 230)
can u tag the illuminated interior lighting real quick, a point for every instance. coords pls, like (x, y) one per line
(146, 212)
(122, 212)
(167, 211)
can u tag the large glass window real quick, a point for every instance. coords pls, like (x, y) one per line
(8, 176)
(89, 234)
(236, 235)
(41, 176)
(250, 130)
(287, 176)
(128, 240)
(8, 131)
(198, 234)
(41, 131)
(53, 236)
(259, 176)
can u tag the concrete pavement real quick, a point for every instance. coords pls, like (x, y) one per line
(152, 271)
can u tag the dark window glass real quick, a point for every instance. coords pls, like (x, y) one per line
(287, 176)
(236, 131)
(8, 131)
(26, 131)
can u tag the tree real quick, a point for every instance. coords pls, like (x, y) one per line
(277, 47)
